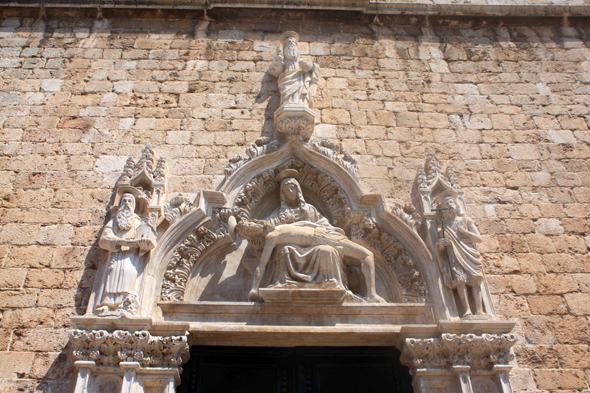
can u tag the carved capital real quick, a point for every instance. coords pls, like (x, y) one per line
(110, 349)
(478, 352)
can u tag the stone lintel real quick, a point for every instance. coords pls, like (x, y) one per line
(295, 315)
(285, 336)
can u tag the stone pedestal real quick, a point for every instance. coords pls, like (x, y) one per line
(302, 295)
(295, 121)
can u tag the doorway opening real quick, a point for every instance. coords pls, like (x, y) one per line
(295, 370)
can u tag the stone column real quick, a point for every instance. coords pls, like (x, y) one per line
(85, 369)
(502, 371)
(137, 356)
(129, 376)
(462, 373)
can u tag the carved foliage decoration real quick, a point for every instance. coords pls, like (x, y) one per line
(253, 191)
(478, 352)
(184, 259)
(409, 215)
(108, 349)
(295, 126)
(396, 257)
(260, 147)
(324, 186)
(148, 165)
(332, 151)
(176, 208)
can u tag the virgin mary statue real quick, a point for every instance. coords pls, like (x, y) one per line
(319, 264)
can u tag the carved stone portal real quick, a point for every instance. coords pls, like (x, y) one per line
(290, 251)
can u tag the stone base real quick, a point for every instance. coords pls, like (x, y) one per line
(295, 121)
(302, 295)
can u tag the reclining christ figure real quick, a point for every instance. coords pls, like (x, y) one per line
(309, 250)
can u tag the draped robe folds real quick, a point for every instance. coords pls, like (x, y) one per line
(318, 266)
(464, 262)
(122, 266)
(296, 86)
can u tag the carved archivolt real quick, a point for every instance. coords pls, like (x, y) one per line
(108, 349)
(184, 259)
(325, 187)
(478, 352)
(253, 191)
(260, 147)
(187, 255)
(311, 178)
(332, 151)
(396, 257)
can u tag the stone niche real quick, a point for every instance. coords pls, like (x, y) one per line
(288, 251)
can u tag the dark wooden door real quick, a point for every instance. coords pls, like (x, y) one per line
(295, 370)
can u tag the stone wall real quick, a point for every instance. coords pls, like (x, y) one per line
(505, 102)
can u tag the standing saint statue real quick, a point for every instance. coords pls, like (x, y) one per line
(308, 251)
(126, 247)
(298, 79)
(461, 263)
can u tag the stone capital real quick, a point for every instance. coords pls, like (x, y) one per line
(459, 352)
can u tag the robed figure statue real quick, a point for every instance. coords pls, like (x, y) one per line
(461, 263)
(297, 78)
(126, 246)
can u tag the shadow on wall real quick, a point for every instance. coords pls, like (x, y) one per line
(269, 90)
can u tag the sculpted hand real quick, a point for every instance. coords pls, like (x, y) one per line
(128, 243)
(442, 243)
(253, 295)
(145, 244)
(462, 230)
(306, 66)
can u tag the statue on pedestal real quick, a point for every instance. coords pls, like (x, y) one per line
(298, 80)
(462, 267)
(308, 251)
(127, 239)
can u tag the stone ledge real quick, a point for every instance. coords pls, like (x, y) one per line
(514, 8)
(278, 315)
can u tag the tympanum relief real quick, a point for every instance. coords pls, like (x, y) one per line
(308, 252)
